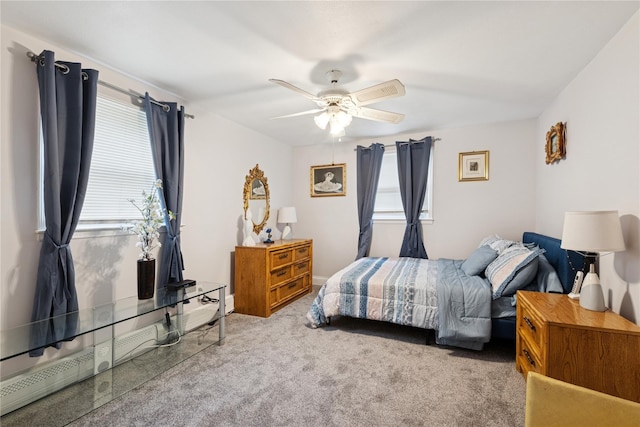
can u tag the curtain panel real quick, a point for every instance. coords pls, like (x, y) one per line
(369, 163)
(166, 132)
(68, 97)
(413, 172)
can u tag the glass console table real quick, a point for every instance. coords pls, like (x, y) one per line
(109, 380)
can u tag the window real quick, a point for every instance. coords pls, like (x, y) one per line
(121, 166)
(388, 205)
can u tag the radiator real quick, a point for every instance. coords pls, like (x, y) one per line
(48, 378)
(42, 381)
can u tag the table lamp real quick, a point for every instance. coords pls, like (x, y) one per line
(287, 215)
(589, 233)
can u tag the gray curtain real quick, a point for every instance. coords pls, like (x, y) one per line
(369, 162)
(68, 111)
(413, 171)
(166, 131)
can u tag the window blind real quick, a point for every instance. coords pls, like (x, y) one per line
(121, 164)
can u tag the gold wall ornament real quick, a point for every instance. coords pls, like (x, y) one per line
(256, 198)
(555, 146)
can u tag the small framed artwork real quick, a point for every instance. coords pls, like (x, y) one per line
(329, 180)
(555, 146)
(473, 166)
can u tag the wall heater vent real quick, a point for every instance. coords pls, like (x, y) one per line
(132, 344)
(41, 381)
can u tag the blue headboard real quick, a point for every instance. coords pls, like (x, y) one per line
(566, 262)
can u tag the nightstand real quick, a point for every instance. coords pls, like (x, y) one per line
(558, 338)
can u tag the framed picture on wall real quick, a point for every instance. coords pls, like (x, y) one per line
(473, 166)
(329, 180)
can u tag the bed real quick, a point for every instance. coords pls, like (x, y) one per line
(466, 302)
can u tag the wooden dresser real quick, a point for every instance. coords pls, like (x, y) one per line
(558, 338)
(269, 276)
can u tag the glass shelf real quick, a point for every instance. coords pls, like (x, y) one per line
(17, 341)
(92, 386)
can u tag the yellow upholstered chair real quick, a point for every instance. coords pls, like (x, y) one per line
(552, 402)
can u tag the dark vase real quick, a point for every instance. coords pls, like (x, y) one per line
(146, 278)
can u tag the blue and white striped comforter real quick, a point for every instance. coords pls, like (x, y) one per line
(408, 291)
(397, 290)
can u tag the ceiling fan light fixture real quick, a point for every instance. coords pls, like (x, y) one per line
(338, 106)
(322, 120)
(339, 121)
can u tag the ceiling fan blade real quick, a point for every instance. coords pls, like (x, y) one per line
(295, 89)
(377, 115)
(302, 113)
(377, 93)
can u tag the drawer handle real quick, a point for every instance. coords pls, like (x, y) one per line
(283, 256)
(528, 356)
(281, 273)
(292, 285)
(528, 322)
(301, 251)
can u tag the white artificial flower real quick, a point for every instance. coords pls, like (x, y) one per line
(153, 217)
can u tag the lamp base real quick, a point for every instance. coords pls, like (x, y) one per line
(591, 296)
(286, 233)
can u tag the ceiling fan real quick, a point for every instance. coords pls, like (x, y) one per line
(337, 106)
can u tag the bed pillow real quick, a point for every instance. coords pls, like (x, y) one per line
(547, 279)
(478, 260)
(513, 269)
(496, 243)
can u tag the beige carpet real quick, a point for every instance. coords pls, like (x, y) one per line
(280, 372)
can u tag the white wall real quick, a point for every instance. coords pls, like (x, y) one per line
(218, 155)
(464, 212)
(600, 172)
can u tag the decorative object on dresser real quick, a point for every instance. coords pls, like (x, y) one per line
(268, 277)
(256, 198)
(247, 230)
(592, 232)
(287, 215)
(473, 166)
(268, 239)
(555, 146)
(558, 338)
(329, 180)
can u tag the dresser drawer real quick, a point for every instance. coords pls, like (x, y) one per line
(301, 268)
(280, 275)
(285, 291)
(281, 293)
(301, 252)
(280, 258)
(530, 326)
(528, 357)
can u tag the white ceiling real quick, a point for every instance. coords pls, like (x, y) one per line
(462, 62)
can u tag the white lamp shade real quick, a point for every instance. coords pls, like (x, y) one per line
(592, 231)
(287, 215)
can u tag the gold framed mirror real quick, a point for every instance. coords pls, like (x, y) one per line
(555, 146)
(256, 198)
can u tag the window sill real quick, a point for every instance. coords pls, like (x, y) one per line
(426, 221)
(99, 230)
(94, 230)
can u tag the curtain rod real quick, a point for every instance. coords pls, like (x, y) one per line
(65, 69)
(394, 145)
